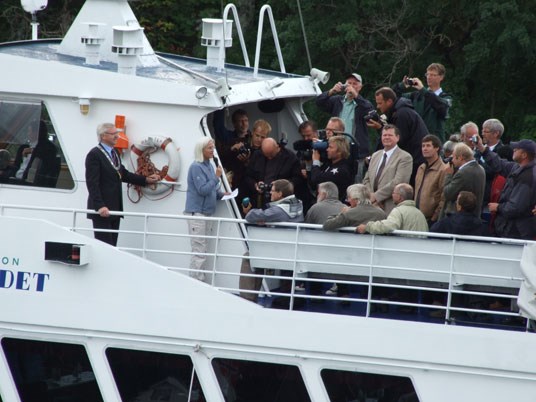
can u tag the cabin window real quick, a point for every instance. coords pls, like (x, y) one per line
(242, 380)
(51, 371)
(151, 376)
(30, 153)
(353, 386)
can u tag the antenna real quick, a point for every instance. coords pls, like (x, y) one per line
(32, 7)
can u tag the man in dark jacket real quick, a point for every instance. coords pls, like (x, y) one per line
(464, 221)
(400, 112)
(514, 217)
(351, 108)
(268, 164)
(104, 175)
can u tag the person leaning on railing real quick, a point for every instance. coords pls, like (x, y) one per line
(284, 207)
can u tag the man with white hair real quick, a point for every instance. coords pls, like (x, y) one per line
(104, 175)
(327, 204)
(360, 210)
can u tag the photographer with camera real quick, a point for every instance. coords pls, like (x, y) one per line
(400, 112)
(431, 103)
(271, 162)
(236, 156)
(345, 102)
(338, 169)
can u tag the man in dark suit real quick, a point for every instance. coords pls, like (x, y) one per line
(104, 175)
(464, 174)
(387, 168)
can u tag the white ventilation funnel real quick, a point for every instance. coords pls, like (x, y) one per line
(212, 37)
(93, 41)
(127, 43)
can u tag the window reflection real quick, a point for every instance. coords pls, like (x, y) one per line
(30, 153)
(344, 386)
(149, 376)
(242, 380)
(50, 371)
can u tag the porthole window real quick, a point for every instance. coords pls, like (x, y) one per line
(343, 386)
(242, 380)
(51, 371)
(30, 152)
(152, 376)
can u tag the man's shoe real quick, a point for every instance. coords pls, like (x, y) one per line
(299, 288)
(332, 291)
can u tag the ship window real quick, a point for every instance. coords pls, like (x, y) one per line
(30, 153)
(50, 371)
(352, 386)
(151, 376)
(242, 380)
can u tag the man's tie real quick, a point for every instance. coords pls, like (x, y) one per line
(114, 158)
(380, 170)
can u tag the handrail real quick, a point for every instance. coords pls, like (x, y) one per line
(232, 7)
(304, 236)
(267, 9)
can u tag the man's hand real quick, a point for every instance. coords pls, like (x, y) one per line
(152, 179)
(351, 93)
(257, 187)
(246, 209)
(493, 206)
(376, 125)
(104, 212)
(417, 84)
(244, 157)
(361, 229)
(237, 146)
(316, 155)
(336, 88)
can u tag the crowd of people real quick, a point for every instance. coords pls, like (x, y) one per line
(413, 171)
(470, 184)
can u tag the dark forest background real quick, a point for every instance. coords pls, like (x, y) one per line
(487, 46)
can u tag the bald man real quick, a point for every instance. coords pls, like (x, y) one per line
(271, 163)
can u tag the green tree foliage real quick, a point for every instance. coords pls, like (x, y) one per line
(487, 46)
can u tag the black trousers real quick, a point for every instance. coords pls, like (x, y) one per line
(111, 223)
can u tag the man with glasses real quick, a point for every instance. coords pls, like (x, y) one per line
(104, 175)
(432, 103)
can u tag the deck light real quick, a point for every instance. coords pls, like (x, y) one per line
(201, 92)
(84, 105)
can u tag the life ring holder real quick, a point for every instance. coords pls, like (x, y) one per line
(150, 145)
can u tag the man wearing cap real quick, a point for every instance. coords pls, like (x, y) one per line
(351, 108)
(514, 217)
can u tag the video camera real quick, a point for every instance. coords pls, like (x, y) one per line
(304, 148)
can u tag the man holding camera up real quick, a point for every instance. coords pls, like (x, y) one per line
(345, 102)
(338, 170)
(431, 103)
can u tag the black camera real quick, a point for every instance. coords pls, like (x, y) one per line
(372, 115)
(411, 82)
(264, 187)
(244, 150)
(447, 159)
(343, 87)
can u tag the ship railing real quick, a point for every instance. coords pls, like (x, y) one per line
(408, 275)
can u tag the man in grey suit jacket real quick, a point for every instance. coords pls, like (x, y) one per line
(464, 174)
(387, 168)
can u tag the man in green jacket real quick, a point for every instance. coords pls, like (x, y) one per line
(431, 103)
(405, 216)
